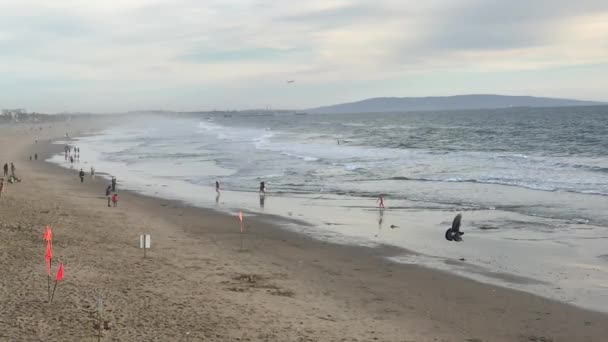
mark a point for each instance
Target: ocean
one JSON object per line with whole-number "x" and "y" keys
{"x": 532, "y": 184}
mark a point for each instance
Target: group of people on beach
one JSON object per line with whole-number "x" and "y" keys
{"x": 72, "y": 156}
{"x": 12, "y": 177}
{"x": 111, "y": 195}
{"x": 262, "y": 193}
{"x": 262, "y": 188}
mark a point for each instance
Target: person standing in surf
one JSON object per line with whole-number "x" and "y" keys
{"x": 217, "y": 187}
{"x": 262, "y": 189}
{"x": 380, "y": 202}
{"x": 81, "y": 175}
{"x": 113, "y": 184}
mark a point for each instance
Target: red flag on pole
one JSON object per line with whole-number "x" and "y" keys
{"x": 48, "y": 234}
{"x": 48, "y": 257}
{"x": 241, "y": 218}
{"x": 57, "y": 279}
{"x": 59, "y": 273}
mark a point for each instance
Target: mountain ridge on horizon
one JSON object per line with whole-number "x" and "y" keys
{"x": 455, "y": 102}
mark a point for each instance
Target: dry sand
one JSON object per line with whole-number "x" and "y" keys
{"x": 195, "y": 284}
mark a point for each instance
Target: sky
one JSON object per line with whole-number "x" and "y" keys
{"x": 114, "y": 56}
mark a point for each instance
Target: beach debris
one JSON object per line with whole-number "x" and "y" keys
{"x": 105, "y": 325}
{"x": 454, "y": 233}
{"x": 249, "y": 278}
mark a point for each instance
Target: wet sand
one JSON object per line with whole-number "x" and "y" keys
{"x": 197, "y": 285}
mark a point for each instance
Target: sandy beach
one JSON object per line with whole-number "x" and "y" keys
{"x": 197, "y": 285}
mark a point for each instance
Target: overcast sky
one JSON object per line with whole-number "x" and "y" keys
{"x": 106, "y": 56}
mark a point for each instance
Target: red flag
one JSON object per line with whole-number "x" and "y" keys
{"x": 241, "y": 218}
{"x": 48, "y": 234}
{"x": 59, "y": 273}
{"x": 48, "y": 257}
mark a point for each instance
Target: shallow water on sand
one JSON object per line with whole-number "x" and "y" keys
{"x": 530, "y": 184}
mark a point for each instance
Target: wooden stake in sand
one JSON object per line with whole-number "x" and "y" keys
{"x": 58, "y": 278}
{"x": 99, "y": 301}
{"x": 144, "y": 243}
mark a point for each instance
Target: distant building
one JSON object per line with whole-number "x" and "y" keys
{"x": 13, "y": 114}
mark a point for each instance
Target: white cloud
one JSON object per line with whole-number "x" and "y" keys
{"x": 58, "y": 51}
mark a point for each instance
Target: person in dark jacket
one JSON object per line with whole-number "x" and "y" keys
{"x": 109, "y": 195}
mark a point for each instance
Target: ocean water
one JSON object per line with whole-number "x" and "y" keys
{"x": 532, "y": 183}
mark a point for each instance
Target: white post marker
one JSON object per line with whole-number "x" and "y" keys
{"x": 144, "y": 242}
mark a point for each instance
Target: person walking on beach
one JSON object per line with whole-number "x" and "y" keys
{"x": 115, "y": 200}
{"x": 262, "y": 189}
{"x": 1, "y": 186}
{"x": 113, "y": 184}
{"x": 13, "y": 168}
{"x": 35, "y": 156}
{"x": 108, "y": 193}
{"x": 72, "y": 160}
{"x": 81, "y": 174}
{"x": 217, "y": 187}
{"x": 5, "y": 169}
{"x": 380, "y": 202}
{"x": 92, "y": 172}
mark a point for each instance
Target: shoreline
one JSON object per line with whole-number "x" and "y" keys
{"x": 301, "y": 289}
{"x": 549, "y": 264}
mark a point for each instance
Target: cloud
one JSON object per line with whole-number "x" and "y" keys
{"x": 123, "y": 55}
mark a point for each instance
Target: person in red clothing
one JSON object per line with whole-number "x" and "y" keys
{"x": 115, "y": 200}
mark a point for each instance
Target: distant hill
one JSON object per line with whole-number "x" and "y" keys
{"x": 458, "y": 102}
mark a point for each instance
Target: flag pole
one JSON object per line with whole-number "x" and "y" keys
{"x": 53, "y": 294}
{"x": 241, "y": 235}
{"x": 48, "y": 276}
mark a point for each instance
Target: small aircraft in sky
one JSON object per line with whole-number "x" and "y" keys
{"x": 291, "y": 81}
